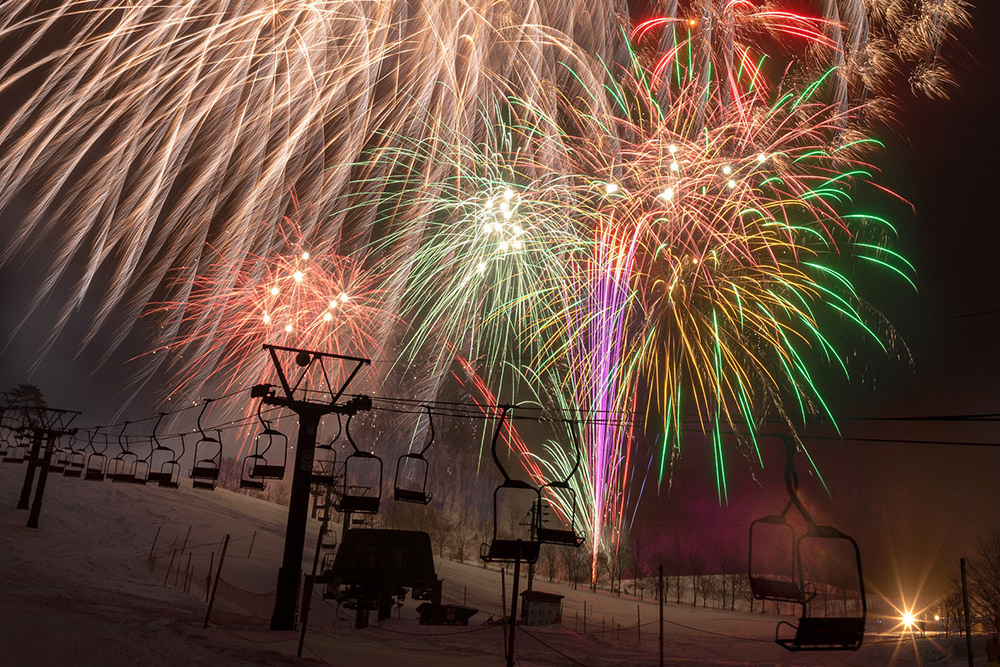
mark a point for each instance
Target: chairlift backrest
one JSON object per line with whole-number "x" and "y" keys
{"x": 97, "y": 462}
{"x": 551, "y": 530}
{"x": 512, "y": 495}
{"x": 813, "y": 563}
{"x": 410, "y": 484}
{"x": 207, "y": 455}
{"x": 75, "y": 464}
{"x": 170, "y": 471}
{"x": 773, "y": 561}
{"x": 362, "y": 472}
{"x": 324, "y": 470}
{"x": 257, "y": 466}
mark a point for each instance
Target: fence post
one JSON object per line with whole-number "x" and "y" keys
{"x": 661, "y": 615}
{"x": 155, "y": 537}
{"x": 166, "y": 577}
{"x": 215, "y": 586}
{"x": 208, "y": 577}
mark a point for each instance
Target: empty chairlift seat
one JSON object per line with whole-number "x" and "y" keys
{"x": 362, "y": 490}
{"x": 207, "y": 456}
{"x": 412, "y": 470}
{"x": 513, "y": 499}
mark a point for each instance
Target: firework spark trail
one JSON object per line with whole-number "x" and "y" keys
{"x": 186, "y": 121}
{"x": 159, "y": 138}
{"x": 305, "y": 295}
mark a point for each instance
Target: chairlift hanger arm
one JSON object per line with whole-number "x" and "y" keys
{"x": 201, "y": 415}
{"x": 496, "y": 436}
{"x": 430, "y": 438}
{"x": 156, "y": 426}
{"x": 792, "y": 480}
{"x": 122, "y": 440}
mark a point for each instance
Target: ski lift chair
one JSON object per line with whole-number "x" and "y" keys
{"x": 142, "y": 467}
{"x": 60, "y": 457}
{"x": 75, "y": 464}
{"x": 17, "y": 452}
{"x": 255, "y": 466}
{"x": 775, "y": 576}
{"x": 828, "y": 633}
{"x": 510, "y": 547}
{"x": 170, "y": 471}
{"x": 207, "y": 456}
{"x": 812, "y": 633}
{"x": 157, "y": 471}
{"x": 97, "y": 461}
{"x": 122, "y": 467}
{"x": 360, "y": 466}
{"x": 414, "y": 466}
{"x": 564, "y": 532}
{"x": 247, "y": 479}
{"x": 324, "y": 471}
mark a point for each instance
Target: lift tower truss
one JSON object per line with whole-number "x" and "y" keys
{"x": 311, "y": 390}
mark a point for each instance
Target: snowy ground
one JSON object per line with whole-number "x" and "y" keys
{"x": 82, "y": 590}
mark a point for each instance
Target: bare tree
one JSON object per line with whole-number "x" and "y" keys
{"x": 550, "y": 557}
{"x": 462, "y": 535}
{"x": 576, "y": 564}
{"x": 950, "y": 608}
{"x": 734, "y": 581}
{"x": 697, "y": 568}
{"x": 984, "y": 582}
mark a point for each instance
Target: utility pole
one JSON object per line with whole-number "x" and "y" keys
{"x": 310, "y": 412}
{"x": 965, "y": 604}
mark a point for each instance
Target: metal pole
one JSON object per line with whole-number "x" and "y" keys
{"x": 503, "y": 606}
{"x": 290, "y": 572}
{"x": 215, "y": 586}
{"x": 513, "y": 606}
{"x": 36, "y": 504}
{"x": 965, "y": 603}
{"x": 307, "y": 595}
{"x": 661, "y": 615}
{"x": 29, "y": 474}
{"x": 155, "y": 537}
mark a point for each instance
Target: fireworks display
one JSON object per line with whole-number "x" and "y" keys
{"x": 633, "y": 226}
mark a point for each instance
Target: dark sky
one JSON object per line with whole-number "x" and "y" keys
{"x": 913, "y": 507}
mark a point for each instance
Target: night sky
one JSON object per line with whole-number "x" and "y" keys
{"x": 915, "y": 508}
